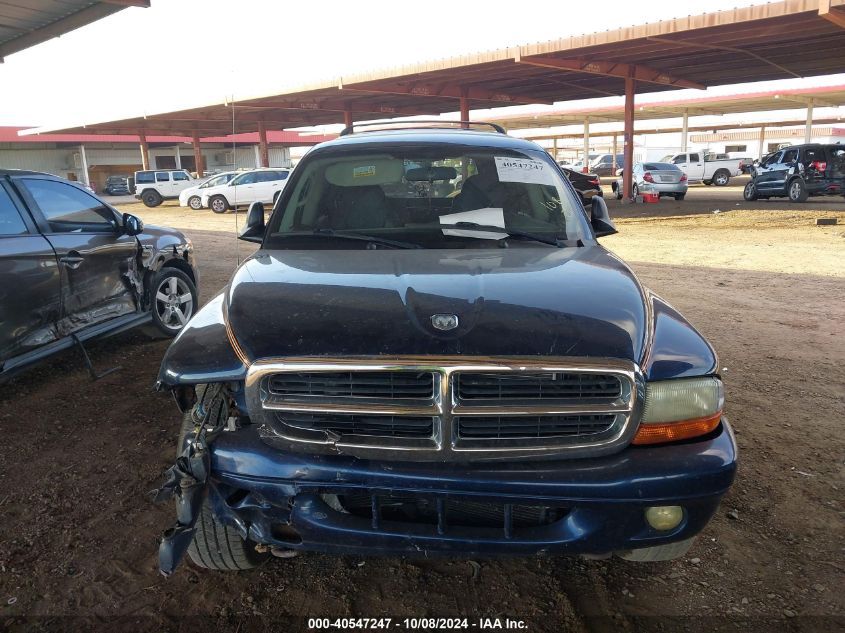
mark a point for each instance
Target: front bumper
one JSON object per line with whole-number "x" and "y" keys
{"x": 285, "y": 500}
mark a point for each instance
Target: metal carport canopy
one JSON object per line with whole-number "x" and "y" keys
{"x": 25, "y": 23}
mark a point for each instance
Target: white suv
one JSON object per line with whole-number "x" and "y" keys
{"x": 258, "y": 185}
{"x": 156, "y": 185}
{"x": 192, "y": 196}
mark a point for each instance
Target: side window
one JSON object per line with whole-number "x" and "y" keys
{"x": 247, "y": 179}
{"x": 10, "y": 220}
{"x": 789, "y": 156}
{"x": 682, "y": 158}
{"x": 180, "y": 175}
{"x": 69, "y": 209}
{"x": 144, "y": 177}
{"x": 162, "y": 176}
{"x": 694, "y": 158}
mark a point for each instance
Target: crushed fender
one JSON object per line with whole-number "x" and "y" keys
{"x": 187, "y": 479}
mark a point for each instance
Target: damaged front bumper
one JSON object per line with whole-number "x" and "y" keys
{"x": 589, "y": 506}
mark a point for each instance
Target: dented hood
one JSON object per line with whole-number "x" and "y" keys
{"x": 578, "y": 301}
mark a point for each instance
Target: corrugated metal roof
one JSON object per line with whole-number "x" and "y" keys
{"x": 25, "y": 23}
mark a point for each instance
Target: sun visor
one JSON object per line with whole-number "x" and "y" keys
{"x": 379, "y": 171}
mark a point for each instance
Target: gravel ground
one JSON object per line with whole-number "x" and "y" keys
{"x": 764, "y": 284}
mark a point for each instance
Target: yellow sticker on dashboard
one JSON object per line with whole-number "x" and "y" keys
{"x": 365, "y": 171}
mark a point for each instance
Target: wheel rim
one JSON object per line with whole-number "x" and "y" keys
{"x": 635, "y": 190}
{"x": 217, "y": 205}
{"x": 721, "y": 180}
{"x": 174, "y": 303}
{"x": 749, "y": 190}
{"x": 195, "y": 203}
{"x": 795, "y": 190}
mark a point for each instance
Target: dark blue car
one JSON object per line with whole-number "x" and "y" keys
{"x": 431, "y": 353}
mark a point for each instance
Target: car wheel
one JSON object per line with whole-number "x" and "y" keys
{"x": 798, "y": 191}
{"x": 680, "y": 196}
{"x": 173, "y": 300}
{"x": 218, "y": 204}
{"x": 216, "y": 545}
{"x": 151, "y": 198}
{"x": 707, "y": 182}
{"x": 195, "y": 202}
{"x": 721, "y": 178}
{"x": 635, "y": 191}
{"x": 750, "y": 191}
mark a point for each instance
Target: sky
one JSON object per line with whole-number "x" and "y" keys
{"x": 180, "y": 53}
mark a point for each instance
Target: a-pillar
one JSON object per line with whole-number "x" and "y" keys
{"x": 586, "y": 145}
{"x": 145, "y": 151}
{"x": 262, "y": 145}
{"x": 628, "y": 139}
{"x": 808, "y": 130}
{"x": 199, "y": 163}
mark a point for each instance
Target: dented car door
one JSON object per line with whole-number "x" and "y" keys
{"x": 97, "y": 261}
{"x": 29, "y": 282}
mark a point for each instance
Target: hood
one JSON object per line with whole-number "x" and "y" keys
{"x": 522, "y": 301}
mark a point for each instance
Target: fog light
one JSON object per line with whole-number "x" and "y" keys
{"x": 664, "y": 517}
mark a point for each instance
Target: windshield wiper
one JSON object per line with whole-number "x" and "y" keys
{"x": 350, "y": 235}
{"x": 492, "y": 228}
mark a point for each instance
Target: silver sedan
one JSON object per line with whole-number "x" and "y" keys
{"x": 664, "y": 179}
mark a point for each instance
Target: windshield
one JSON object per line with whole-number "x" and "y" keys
{"x": 408, "y": 194}
{"x": 660, "y": 167}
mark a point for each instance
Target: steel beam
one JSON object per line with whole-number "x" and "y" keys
{"x": 199, "y": 163}
{"x": 464, "y": 110}
{"x": 830, "y": 14}
{"x": 610, "y": 69}
{"x": 628, "y": 138}
{"x": 586, "y": 168}
{"x": 347, "y": 118}
{"x": 145, "y": 151}
{"x": 808, "y": 128}
{"x": 445, "y": 91}
{"x": 685, "y": 132}
{"x": 760, "y": 147}
{"x": 264, "y": 152}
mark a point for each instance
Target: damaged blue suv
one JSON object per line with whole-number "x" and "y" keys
{"x": 431, "y": 353}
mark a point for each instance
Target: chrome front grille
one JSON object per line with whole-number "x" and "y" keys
{"x": 446, "y": 409}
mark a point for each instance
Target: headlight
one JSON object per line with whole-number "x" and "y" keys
{"x": 680, "y": 409}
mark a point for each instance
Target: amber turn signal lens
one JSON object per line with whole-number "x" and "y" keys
{"x": 675, "y": 431}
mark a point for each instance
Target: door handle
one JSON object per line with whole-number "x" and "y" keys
{"x": 72, "y": 260}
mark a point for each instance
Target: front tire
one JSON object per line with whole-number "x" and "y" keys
{"x": 721, "y": 178}
{"x": 173, "y": 300}
{"x": 750, "y": 191}
{"x": 216, "y": 545}
{"x": 195, "y": 202}
{"x": 218, "y": 204}
{"x": 797, "y": 191}
{"x": 151, "y": 198}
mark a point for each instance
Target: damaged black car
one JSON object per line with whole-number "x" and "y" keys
{"x": 73, "y": 268}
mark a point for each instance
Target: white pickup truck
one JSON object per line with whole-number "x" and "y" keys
{"x": 706, "y": 168}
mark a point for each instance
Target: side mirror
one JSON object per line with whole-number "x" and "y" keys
{"x": 254, "y": 229}
{"x": 600, "y": 218}
{"x": 132, "y": 224}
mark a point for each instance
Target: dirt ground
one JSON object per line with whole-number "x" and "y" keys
{"x": 764, "y": 284}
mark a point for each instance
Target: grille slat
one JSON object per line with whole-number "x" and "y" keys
{"x": 379, "y": 425}
{"x": 391, "y": 385}
{"x": 537, "y": 386}
{"x": 540, "y": 426}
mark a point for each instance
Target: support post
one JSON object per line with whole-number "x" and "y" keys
{"x": 198, "y": 161}
{"x": 808, "y": 130}
{"x": 257, "y": 160}
{"x": 84, "y": 158}
{"x": 347, "y": 118}
{"x": 262, "y": 145}
{"x": 464, "y": 108}
{"x": 586, "y": 146}
{"x": 178, "y": 157}
{"x": 628, "y": 139}
{"x": 685, "y": 131}
{"x": 615, "y": 151}
{"x": 145, "y": 151}
{"x": 761, "y": 148}
{"x": 554, "y": 149}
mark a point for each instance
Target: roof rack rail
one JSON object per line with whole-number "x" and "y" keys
{"x": 426, "y": 124}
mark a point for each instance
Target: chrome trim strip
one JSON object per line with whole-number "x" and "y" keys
{"x": 445, "y": 444}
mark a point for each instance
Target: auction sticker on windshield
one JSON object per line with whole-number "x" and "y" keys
{"x": 526, "y": 170}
